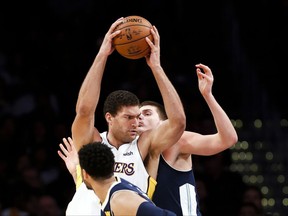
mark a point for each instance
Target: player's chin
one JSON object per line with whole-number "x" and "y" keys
{"x": 133, "y": 134}
{"x": 140, "y": 130}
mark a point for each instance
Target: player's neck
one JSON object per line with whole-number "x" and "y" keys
{"x": 102, "y": 187}
{"x": 113, "y": 141}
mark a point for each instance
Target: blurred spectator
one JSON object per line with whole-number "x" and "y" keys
{"x": 31, "y": 181}
{"x": 202, "y": 193}
{"x": 14, "y": 211}
{"x": 224, "y": 187}
{"x": 249, "y": 209}
{"x": 252, "y": 194}
{"x": 48, "y": 206}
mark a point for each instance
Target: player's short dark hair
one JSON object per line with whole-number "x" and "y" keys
{"x": 97, "y": 160}
{"x": 159, "y": 108}
{"x": 118, "y": 99}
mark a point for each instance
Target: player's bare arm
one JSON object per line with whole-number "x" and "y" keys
{"x": 83, "y": 130}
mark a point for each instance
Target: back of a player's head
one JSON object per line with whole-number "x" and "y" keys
{"x": 97, "y": 160}
{"x": 159, "y": 107}
{"x": 118, "y": 99}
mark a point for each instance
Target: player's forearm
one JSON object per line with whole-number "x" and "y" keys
{"x": 172, "y": 102}
{"x": 172, "y": 129}
{"x": 171, "y": 99}
{"x": 225, "y": 128}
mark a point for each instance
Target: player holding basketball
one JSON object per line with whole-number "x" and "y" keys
{"x": 175, "y": 188}
{"x": 122, "y": 112}
{"x": 117, "y": 196}
{"x": 175, "y": 174}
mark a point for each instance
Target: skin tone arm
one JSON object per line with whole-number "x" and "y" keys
{"x": 83, "y": 130}
{"x": 125, "y": 203}
{"x": 195, "y": 143}
{"x": 170, "y": 130}
{"x": 226, "y": 136}
{"x": 69, "y": 155}
{"x": 226, "y": 133}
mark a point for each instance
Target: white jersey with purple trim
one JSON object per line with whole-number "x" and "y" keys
{"x": 84, "y": 202}
{"x": 129, "y": 164}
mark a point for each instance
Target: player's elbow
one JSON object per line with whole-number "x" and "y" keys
{"x": 83, "y": 110}
{"x": 227, "y": 139}
{"x": 180, "y": 124}
{"x": 180, "y": 128}
{"x": 233, "y": 139}
{"x": 183, "y": 122}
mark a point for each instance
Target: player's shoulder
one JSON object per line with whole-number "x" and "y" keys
{"x": 121, "y": 198}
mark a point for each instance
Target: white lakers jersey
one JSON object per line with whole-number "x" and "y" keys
{"x": 129, "y": 164}
{"x": 84, "y": 202}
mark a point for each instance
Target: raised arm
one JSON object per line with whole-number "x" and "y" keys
{"x": 69, "y": 155}
{"x": 171, "y": 129}
{"x": 225, "y": 136}
{"x": 83, "y": 130}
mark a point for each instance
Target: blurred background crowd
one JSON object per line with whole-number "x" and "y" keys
{"x": 47, "y": 47}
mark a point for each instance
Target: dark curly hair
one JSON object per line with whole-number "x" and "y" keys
{"x": 118, "y": 99}
{"x": 159, "y": 108}
{"x": 97, "y": 160}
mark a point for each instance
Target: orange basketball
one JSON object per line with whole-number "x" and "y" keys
{"x": 131, "y": 42}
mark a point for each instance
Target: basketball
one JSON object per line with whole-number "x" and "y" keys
{"x": 131, "y": 42}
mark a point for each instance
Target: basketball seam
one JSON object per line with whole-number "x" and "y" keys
{"x": 119, "y": 44}
{"x": 132, "y": 25}
{"x": 136, "y": 53}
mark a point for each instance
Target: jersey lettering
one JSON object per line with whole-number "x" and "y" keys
{"x": 128, "y": 169}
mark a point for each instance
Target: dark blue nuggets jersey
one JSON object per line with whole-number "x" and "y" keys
{"x": 175, "y": 190}
{"x": 146, "y": 208}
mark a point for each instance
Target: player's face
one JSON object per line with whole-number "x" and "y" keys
{"x": 149, "y": 118}
{"x": 124, "y": 124}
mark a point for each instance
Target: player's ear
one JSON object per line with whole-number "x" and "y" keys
{"x": 108, "y": 117}
{"x": 84, "y": 174}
